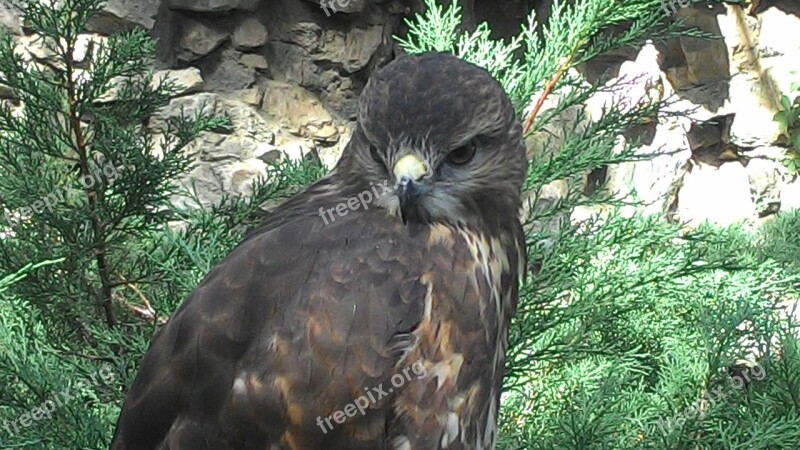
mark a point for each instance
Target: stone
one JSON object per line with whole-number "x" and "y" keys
{"x": 701, "y": 103}
{"x": 213, "y": 5}
{"x": 317, "y": 66}
{"x": 710, "y": 132}
{"x": 206, "y": 142}
{"x": 729, "y": 154}
{"x": 86, "y": 45}
{"x": 288, "y": 147}
{"x": 745, "y": 101}
{"x": 325, "y": 134}
{"x": 112, "y": 94}
{"x": 753, "y": 102}
{"x": 225, "y": 73}
{"x": 204, "y": 183}
{"x": 250, "y": 34}
{"x": 323, "y": 59}
{"x": 330, "y": 7}
{"x": 226, "y": 148}
{"x": 584, "y": 214}
{"x": 296, "y": 148}
{"x": 189, "y": 105}
{"x": 33, "y": 47}
{"x": 268, "y": 153}
{"x": 158, "y": 146}
{"x": 225, "y": 164}
{"x": 305, "y": 34}
{"x": 706, "y": 59}
{"x": 247, "y": 121}
{"x": 654, "y": 181}
{"x": 10, "y": 17}
{"x": 294, "y": 107}
{"x": 773, "y": 38}
{"x": 717, "y": 195}
{"x": 329, "y": 156}
{"x": 775, "y": 153}
{"x": 118, "y": 15}
{"x": 6, "y": 93}
{"x": 254, "y": 61}
{"x": 638, "y": 82}
{"x": 251, "y": 96}
{"x": 761, "y": 59}
{"x": 539, "y": 203}
{"x": 740, "y": 32}
{"x": 779, "y": 52}
{"x": 765, "y": 185}
{"x": 197, "y": 39}
{"x": 187, "y": 81}
{"x": 238, "y": 177}
{"x": 352, "y": 50}
{"x": 341, "y": 97}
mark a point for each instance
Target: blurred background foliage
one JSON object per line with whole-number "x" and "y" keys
{"x": 632, "y": 332}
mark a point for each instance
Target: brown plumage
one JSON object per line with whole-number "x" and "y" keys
{"x": 317, "y": 312}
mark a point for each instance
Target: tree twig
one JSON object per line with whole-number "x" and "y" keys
{"x": 135, "y": 289}
{"x": 145, "y": 311}
{"x": 548, "y": 89}
{"x": 82, "y": 149}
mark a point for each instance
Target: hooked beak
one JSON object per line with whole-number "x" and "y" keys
{"x": 408, "y": 171}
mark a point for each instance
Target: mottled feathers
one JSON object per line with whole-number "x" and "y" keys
{"x": 309, "y": 314}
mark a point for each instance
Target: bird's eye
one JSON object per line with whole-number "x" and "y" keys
{"x": 373, "y": 151}
{"x": 463, "y": 154}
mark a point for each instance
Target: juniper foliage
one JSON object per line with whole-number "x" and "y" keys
{"x": 81, "y": 175}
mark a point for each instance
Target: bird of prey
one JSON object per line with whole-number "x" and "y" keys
{"x": 371, "y": 310}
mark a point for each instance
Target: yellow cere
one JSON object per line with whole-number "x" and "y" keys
{"x": 411, "y": 166}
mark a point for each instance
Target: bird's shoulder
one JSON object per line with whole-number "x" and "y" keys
{"x": 365, "y": 262}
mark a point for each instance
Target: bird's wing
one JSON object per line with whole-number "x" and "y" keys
{"x": 296, "y": 322}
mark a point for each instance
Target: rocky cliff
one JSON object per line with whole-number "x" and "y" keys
{"x": 289, "y": 72}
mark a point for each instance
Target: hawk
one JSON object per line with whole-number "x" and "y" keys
{"x": 371, "y": 310}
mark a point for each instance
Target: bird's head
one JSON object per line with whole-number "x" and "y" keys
{"x": 444, "y": 135}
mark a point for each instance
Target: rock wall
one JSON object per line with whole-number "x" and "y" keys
{"x": 289, "y": 72}
{"x": 726, "y": 161}
{"x": 729, "y": 167}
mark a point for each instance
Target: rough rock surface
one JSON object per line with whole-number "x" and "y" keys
{"x": 211, "y": 6}
{"x": 725, "y": 161}
{"x": 289, "y": 72}
{"x": 126, "y": 14}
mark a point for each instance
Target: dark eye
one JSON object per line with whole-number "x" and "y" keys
{"x": 463, "y": 154}
{"x": 373, "y": 151}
